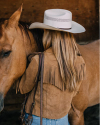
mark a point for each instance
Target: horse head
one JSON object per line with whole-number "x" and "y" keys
{"x": 14, "y": 49}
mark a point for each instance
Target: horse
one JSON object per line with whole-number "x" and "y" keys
{"x": 16, "y": 43}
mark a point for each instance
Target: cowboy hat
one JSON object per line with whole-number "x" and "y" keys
{"x": 58, "y": 19}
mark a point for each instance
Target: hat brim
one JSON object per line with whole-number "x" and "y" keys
{"x": 76, "y": 28}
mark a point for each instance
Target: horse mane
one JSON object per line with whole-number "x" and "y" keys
{"x": 38, "y": 35}
{"x": 66, "y": 52}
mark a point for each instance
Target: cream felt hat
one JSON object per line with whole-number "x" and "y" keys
{"x": 58, "y": 19}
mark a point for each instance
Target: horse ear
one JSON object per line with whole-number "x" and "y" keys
{"x": 14, "y": 19}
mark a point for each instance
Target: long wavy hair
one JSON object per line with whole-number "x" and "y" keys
{"x": 66, "y": 51}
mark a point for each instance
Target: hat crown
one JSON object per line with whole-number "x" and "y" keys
{"x": 60, "y": 13}
{"x": 58, "y": 18}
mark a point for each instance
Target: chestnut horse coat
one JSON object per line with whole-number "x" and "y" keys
{"x": 88, "y": 94}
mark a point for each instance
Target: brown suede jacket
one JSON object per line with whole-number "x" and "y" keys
{"x": 56, "y": 100}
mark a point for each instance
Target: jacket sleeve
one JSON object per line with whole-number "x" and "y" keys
{"x": 28, "y": 79}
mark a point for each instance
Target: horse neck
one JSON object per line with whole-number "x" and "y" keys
{"x": 30, "y": 47}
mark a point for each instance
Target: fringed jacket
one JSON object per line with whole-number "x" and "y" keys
{"x": 56, "y": 98}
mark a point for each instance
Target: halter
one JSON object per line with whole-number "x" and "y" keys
{"x": 29, "y": 120}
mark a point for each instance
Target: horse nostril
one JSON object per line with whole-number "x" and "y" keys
{"x": 1, "y": 102}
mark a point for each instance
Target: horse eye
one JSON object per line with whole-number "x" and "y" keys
{"x": 6, "y": 54}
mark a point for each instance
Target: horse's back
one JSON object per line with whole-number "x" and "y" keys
{"x": 89, "y": 49}
{"x": 90, "y": 87}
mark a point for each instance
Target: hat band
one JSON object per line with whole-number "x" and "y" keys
{"x": 56, "y": 19}
{"x": 65, "y": 28}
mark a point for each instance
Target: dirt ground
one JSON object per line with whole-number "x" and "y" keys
{"x": 12, "y": 117}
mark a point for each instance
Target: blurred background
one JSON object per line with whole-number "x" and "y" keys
{"x": 85, "y": 12}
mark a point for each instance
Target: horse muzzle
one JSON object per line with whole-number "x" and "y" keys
{"x": 1, "y": 102}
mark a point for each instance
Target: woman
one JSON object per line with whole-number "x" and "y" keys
{"x": 63, "y": 73}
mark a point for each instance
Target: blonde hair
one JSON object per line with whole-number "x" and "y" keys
{"x": 65, "y": 50}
